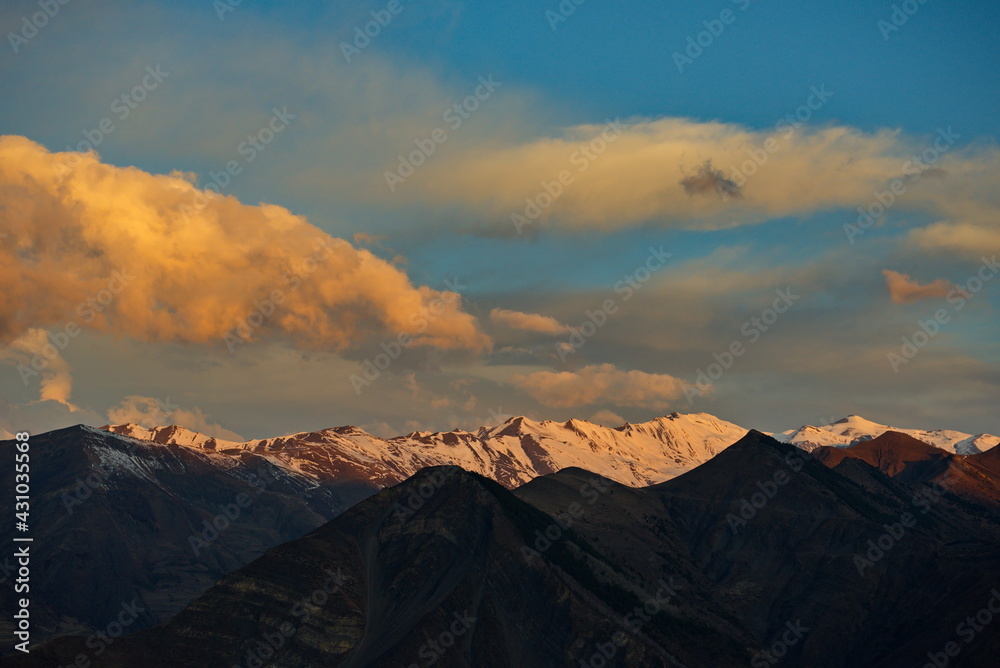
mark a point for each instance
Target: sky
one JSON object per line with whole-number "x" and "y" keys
{"x": 252, "y": 219}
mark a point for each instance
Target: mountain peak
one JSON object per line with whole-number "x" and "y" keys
{"x": 511, "y": 453}
{"x": 757, "y": 439}
{"x": 892, "y": 453}
{"x": 857, "y": 421}
{"x": 854, "y": 429}
{"x": 517, "y": 425}
{"x": 348, "y": 429}
{"x": 521, "y": 448}
{"x": 898, "y": 440}
{"x": 169, "y": 435}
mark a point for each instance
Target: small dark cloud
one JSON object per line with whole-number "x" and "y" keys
{"x": 523, "y": 356}
{"x": 708, "y": 179}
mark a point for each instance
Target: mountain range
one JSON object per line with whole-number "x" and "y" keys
{"x": 511, "y": 453}
{"x": 854, "y": 429}
{"x": 521, "y": 449}
{"x": 547, "y": 534}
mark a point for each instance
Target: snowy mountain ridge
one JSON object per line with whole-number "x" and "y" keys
{"x": 521, "y": 449}
{"x": 512, "y": 453}
{"x": 855, "y": 429}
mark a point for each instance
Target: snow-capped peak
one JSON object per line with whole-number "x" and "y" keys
{"x": 170, "y": 435}
{"x": 855, "y": 429}
{"x": 520, "y": 449}
{"x": 512, "y": 453}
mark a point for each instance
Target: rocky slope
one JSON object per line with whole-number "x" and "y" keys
{"x": 117, "y": 520}
{"x": 763, "y": 555}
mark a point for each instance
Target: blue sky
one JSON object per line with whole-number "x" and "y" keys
{"x": 828, "y": 356}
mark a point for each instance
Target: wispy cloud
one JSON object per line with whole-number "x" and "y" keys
{"x": 601, "y": 384}
{"x": 529, "y": 322}
{"x": 150, "y": 412}
{"x": 905, "y": 290}
{"x": 35, "y": 356}
{"x": 662, "y": 171}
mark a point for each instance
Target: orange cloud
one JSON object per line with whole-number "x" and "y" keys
{"x": 35, "y": 355}
{"x": 905, "y": 290}
{"x": 149, "y": 412}
{"x": 193, "y": 272}
{"x": 529, "y": 322}
{"x": 676, "y": 171}
{"x": 683, "y": 173}
{"x": 601, "y": 383}
{"x": 606, "y": 418}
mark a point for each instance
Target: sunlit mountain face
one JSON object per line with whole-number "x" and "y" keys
{"x": 510, "y": 334}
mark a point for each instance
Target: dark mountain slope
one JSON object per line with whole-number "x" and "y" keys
{"x": 763, "y": 555}
{"x": 450, "y": 584}
{"x": 767, "y": 535}
{"x": 115, "y": 520}
{"x": 895, "y": 454}
{"x": 971, "y": 478}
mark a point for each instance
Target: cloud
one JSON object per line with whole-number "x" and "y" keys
{"x": 708, "y": 180}
{"x": 529, "y": 322}
{"x": 365, "y": 239}
{"x": 905, "y": 290}
{"x": 964, "y": 238}
{"x": 601, "y": 383}
{"x": 968, "y": 205}
{"x": 501, "y": 157}
{"x": 607, "y": 418}
{"x": 155, "y": 258}
{"x": 381, "y": 429}
{"x": 150, "y": 412}
{"x": 35, "y": 355}
{"x": 660, "y": 170}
